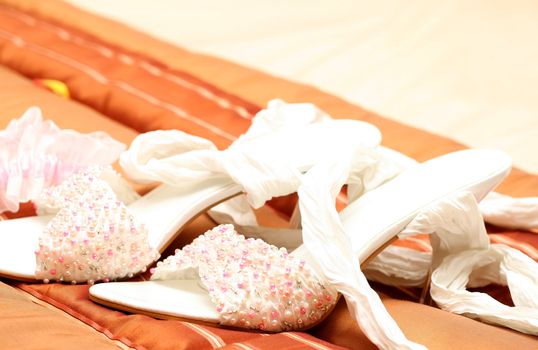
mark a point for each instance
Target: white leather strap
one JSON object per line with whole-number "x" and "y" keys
{"x": 497, "y": 209}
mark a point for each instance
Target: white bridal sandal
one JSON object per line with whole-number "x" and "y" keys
{"x": 94, "y": 236}
{"x": 223, "y": 278}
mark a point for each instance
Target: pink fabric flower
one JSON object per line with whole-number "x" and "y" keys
{"x": 35, "y": 154}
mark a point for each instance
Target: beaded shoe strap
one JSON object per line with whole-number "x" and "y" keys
{"x": 93, "y": 236}
{"x": 253, "y": 285}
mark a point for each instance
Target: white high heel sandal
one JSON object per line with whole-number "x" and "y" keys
{"x": 95, "y": 237}
{"x": 224, "y": 279}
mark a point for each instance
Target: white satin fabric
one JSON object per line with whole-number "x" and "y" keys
{"x": 272, "y": 169}
{"x": 461, "y": 254}
{"x": 462, "y": 257}
{"x": 284, "y": 140}
{"x": 509, "y": 212}
{"x": 325, "y": 238}
{"x": 179, "y": 159}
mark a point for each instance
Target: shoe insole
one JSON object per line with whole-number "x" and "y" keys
{"x": 174, "y": 299}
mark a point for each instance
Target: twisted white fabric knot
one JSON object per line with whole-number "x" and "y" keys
{"x": 261, "y": 177}
{"x": 325, "y": 238}
{"x": 279, "y": 116}
{"x": 284, "y": 140}
{"x": 184, "y": 161}
{"x": 169, "y": 156}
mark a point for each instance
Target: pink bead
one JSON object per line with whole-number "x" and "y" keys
{"x": 289, "y": 283}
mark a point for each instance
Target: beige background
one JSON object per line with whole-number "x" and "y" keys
{"x": 463, "y": 69}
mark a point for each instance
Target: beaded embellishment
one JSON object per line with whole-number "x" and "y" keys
{"x": 93, "y": 236}
{"x": 253, "y": 285}
{"x": 53, "y": 198}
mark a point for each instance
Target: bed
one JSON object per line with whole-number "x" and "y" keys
{"x": 443, "y": 66}
{"x": 126, "y": 81}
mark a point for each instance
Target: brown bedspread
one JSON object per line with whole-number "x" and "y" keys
{"x": 125, "y": 83}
